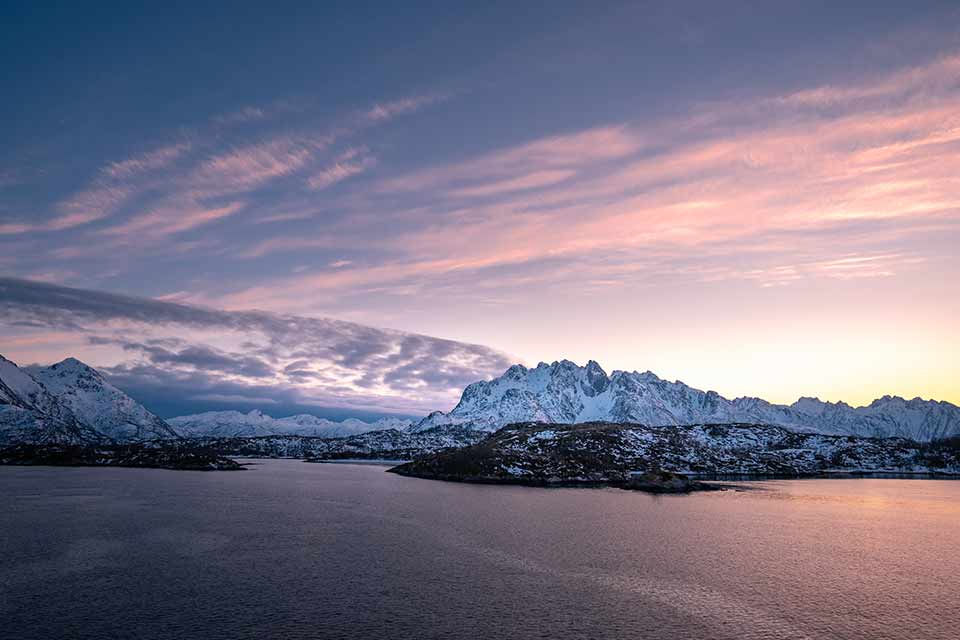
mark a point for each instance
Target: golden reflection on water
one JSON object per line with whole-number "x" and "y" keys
{"x": 887, "y": 494}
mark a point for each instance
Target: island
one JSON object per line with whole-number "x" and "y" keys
{"x": 673, "y": 459}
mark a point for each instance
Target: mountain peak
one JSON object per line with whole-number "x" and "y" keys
{"x": 516, "y": 371}
{"x": 73, "y": 365}
{"x": 594, "y": 366}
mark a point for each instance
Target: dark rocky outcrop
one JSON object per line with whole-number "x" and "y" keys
{"x": 151, "y": 455}
{"x": 666, "y": 482}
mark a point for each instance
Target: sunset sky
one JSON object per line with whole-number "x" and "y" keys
{"x": 293, "y": 209}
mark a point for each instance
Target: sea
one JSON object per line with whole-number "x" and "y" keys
{"x": 290, "y": 549}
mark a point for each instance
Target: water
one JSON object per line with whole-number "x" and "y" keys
{"x": 297, "y": 550}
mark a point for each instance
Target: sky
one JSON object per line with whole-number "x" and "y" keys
{"x": 359, "y": 208}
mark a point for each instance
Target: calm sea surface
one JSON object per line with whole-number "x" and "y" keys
{"x": 295, "y": 550}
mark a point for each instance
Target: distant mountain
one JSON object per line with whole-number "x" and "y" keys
{"x": 29, "y": 413}
{"x": 233, "y": 424}
{"x": 563, "y": 392}
{"x": 388, "y": 444}
{"x": 101, "y": 406}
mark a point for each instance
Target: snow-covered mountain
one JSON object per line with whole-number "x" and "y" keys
{"x": 564, "y": 392}
{"x": 232, "y": 424}
{"x": 30, "y": 413}
{"x": 101, "y": 406}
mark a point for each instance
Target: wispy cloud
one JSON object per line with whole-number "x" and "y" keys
{"x": 149, "y": 161}
{"x": 272, "y": 245}
{"x": 389, "y": 110}
{"x": 534, "y": 180}
{"x": 563, "y": 152}
{"x": 250, "y": 166}
{"x": 242, "y": 116}
{"x": 167, "y": 221}
{"x": 351, "y": 163}
{"x": 116, "y": 184}
{"x": 933, "y": 78}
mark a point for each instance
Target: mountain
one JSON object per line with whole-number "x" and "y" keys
{"x": 565, "y": 393}
{"x": 101, "y": 406}
{"x": 232, "y": 424}
{"x": 603, "y": 452}
{"x": 30, "y": 413}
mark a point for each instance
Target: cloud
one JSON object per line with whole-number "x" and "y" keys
{"x": 351, "y": 163}
{"x": 534, "y": 180}
{"x": 168, "y": 220}
{"x": 203, "y": 358}
{"x": 390, "y": 110}
{"x": 933, "y": 77}
{"x": 563, "y": 152}
{"x": 317, "y": 361}
{"x": 252, "y": 165}
{"x": 242, "y": 116}
{"x": 114, "y": 186}
{"x": 99, "y": 201}
{"x": 149, "y": 161}
{"x": 272, "y": 245}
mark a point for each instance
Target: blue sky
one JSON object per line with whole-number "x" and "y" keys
{"x": 714, "y": 191}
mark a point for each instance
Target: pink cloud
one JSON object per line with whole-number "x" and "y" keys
{"x": 556, "y": 152}
{"x": 935, "y": 75}
{"x": 353, "y": 162}
{"x": 250, "y": 166}
{"x": 272, "y": 245}
{"x": 520, "y": 183}
{"x": 170, "y": 220}
{"x": 149, "y": 161}
{"x": 93, "y": 204}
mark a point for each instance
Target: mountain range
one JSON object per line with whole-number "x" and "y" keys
{"x": 234, "y": 424}
{"x": 565, "y": 393}
{"x": 70, "y": 402}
